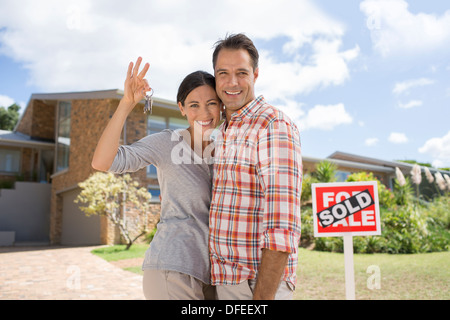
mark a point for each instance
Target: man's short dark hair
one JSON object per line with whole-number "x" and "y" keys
{"x": 237, "y": 42}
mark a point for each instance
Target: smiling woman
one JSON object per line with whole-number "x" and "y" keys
{"x": 176, "y": 265}
{"x": 199, "y": 103}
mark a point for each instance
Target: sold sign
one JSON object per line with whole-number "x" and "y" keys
{"x": 346, "y": 208}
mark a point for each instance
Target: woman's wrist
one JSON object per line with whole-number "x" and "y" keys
{"x": 126, "y": 104}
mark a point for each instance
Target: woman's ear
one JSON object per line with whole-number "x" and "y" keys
{"x": 181, "y": 109}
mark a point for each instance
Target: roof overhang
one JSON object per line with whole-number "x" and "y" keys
{"x": 17, "y": 139}
{"x": 351, "y": 164}
{"x": 403, "y": 166}
{"x": 101, "y": 94}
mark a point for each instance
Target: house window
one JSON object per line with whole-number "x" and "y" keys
{"x": 155, "y": 192}
{"x": 63, "y": 136}
{"x": 342, "y": 176}
{"x": 9, "y": 161}
{"x": 156, "y": 124}
{"x": 176, "y": 123}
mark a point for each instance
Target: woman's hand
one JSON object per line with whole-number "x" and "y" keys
{"x": 135, "y": 88}
{"x": 135, "y": 84}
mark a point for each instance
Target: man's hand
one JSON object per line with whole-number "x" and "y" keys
{"x": 270, "y": 272}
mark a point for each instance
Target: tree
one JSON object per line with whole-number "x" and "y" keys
{"x": 9, "y": 117}
{"x": 106, "y": 194}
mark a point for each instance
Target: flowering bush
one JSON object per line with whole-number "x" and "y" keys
{"x": 106, "y": 193}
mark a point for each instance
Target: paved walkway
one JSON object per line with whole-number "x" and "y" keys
{"x": 63, "y": 273}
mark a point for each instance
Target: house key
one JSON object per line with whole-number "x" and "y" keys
{"x": 148, "y": 102}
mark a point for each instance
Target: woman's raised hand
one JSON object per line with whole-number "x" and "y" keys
{"x": 135, "y": 84}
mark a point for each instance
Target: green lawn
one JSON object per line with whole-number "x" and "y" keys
{"x": 118, "y": 252}
{"x": 321, "y": 274}
{"x": 402, "y": 277}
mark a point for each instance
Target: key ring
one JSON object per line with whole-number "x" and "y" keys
{"x": 148, "y": 102}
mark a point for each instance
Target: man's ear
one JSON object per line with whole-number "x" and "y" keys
{"x": 256, "y": 74}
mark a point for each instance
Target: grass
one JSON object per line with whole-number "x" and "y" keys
{"x": 118, "y": 252}
{"x": 402, "y": 277}
{"x": 321, "y": 274}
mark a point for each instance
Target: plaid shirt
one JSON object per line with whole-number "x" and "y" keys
{"x": 256, "y": 193}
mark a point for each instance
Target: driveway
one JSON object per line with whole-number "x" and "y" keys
{"x": 63, "y": 273}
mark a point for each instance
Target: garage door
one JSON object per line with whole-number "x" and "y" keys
{"x": 77, "y": 228}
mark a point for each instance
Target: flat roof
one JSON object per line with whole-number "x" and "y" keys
{"x": 377, "y": 162}
{"x": 17, "y": 139}
{"x": 100, "y": 94}
{"x": 351, "y": 164}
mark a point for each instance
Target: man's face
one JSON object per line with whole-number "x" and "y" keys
{"x": 235, "y": 79}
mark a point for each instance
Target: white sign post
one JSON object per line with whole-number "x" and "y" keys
{"x": 349, "y": 268}
{"x": 346, "y": 209}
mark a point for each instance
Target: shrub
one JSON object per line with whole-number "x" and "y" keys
{"x": 385, "y": 196}
{"x": 405, "y": 231}
{"x": 307, "y": 235}
{"x": 306, "y": 188}
{"x": 325, "y": 171}
{"x": 403, "y": 192}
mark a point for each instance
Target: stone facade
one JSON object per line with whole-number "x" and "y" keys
{"x": 38, "y": 120}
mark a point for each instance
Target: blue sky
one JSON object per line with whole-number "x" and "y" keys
{"x": 365, "y": 77}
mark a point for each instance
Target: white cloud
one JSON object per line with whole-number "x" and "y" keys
{"x": 397, "y": 138}
{"x": 439, "y": 149}
{"x": 370, "y": 142}
{"x": 87, "y": 45}
{"x": 327, "y": 66}
{"x": 6, "y": 101}
{"x": 395, "y": 30}
{"x": 291, "y": 108}
{"x": 326, "y": 117}
{"x": 405, "y": 86}
{"x": 410, "y": 104}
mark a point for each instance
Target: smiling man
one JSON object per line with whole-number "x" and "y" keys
{"x": 235, "y": 79}
{"x": 255, "y": 207}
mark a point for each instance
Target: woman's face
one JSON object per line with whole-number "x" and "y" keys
{"x": 202, "y": 108}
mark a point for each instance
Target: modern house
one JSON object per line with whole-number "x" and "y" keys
{"x": 50, "y": 151}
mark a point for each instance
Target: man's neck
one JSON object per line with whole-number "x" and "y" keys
{"x": 228, "y": 112}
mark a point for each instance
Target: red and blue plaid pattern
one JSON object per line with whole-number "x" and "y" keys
{"x": 256, "y": 193}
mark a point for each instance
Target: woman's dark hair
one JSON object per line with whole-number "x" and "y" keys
{"x": 192, "y": 81}
{"x": 237, "y": 42}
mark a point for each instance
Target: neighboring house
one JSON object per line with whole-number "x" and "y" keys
{"x": 50, "y": 151}
{"x": 384, "y": 170}
{"x": 347, "y": 166}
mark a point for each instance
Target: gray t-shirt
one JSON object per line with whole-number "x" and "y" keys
{"x": 185, "y": 178}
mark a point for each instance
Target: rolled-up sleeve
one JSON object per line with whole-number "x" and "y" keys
{"x": 280, "y": 172}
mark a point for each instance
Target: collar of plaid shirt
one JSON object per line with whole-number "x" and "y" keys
{"x": 250, "y": 208}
